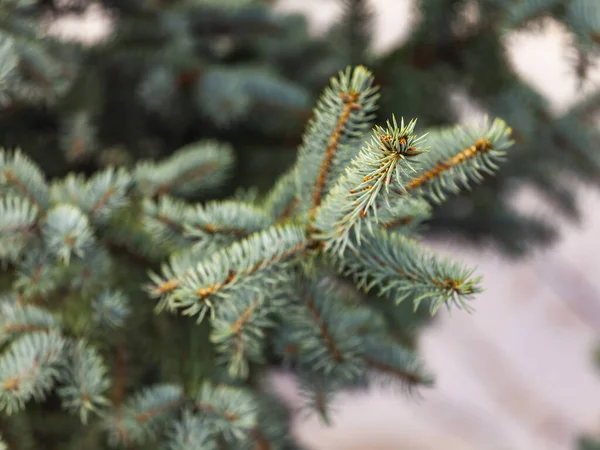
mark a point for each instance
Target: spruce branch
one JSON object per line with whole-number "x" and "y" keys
{"x": 275, "y": 254}
{"x": 110, "y": 309}
{"x": 194, "y": 168}
{"x": 228, "y": 96}
{"x": 9, "y": 61}
{"x": 390, "y": 360}
{"x": 70, "y": 189}
{"x": 318, "y": 393}
{"x": 90, "y": 273}
{"x": 29, "y": 368}
{"x": 382, "y": 165}
{"x": 319, "y": 326}
{"x": 189, "y": 433}
{"x": 78, "y": 136}
{"x": 67, "y": 232}
{"x": 36, "y": 275}
{"x": 16, "y": 319}
{"x": 21, "y": 177}
{"x": 165, "y": 219}
{"x": 262, "y": 269}
{"x": 18, "y": 223}
{"x": 84, "y": 380}
{"x": 36, "y": 70}
{"x": 239, "y": 333}
{"x": 272, "y": 430}
{"x": 104, "y": 193}
{"x": 230, "y": 412}
{"x": 343, "y": 114}
{"x": 217, "y": 224}
{"x": 243, "y": 264}
{"x": 457, "y": 158}
{"x": 143, "y": 415}
{"x": 399, "y": 268}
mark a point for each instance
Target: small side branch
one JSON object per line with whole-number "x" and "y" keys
{"x": 329, "y": 341}
{"x": 410, "y": 377}
{"x": 350, "y": 104}
{"x": 480, "y": 147}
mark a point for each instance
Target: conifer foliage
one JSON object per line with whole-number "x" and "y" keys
{"x": 459, "y": 49}
{"x": 34, "y": 69}
{"x": 278, "y": 276}
{"x": 167, "y": 74}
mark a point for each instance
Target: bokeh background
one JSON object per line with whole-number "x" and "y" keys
{"x": 518, "y": 373}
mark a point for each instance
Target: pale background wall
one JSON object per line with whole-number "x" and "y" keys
{"x": 516, "y": 374}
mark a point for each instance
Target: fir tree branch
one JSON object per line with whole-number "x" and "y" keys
{"x": 229, "y": 411}
{"x": 105, "y": 192}
{"x": 78, "y": 136}
{"x": 165, "y": 219}
{"x": 217, "y": 224}
{"x": 343, "y": 114}
{"x": 29, "y": 369}
{"x": 406, "y": 376}
{"x": 111, "y": 309}
{"x": 398, "y": 267}
{"x": 67, "y": 232}
{"x": 314, "y": 312}
{"x": 18, "y": 224}
{"x": 479, "y": 148}
{"x": 458, "y": 155}
{"x": 319, "y": 328}
{"x": 350, "y": 104}
{"x": 239, "y": 332}
{"x": 37, "y": 277}
{"x": 318, "y": 393}
{"x": 381, "y": 165}
{"x": 234, "y": 267}
{"x": 21, "y": 177}
{"x": 191, "y": 169}
{"x": 388, "y": 358}
{"x": 17, "y": 319}
{"x": 189, "y": 433}
{"x": 144, "y": 414}
{"x": 85, "y": 380}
